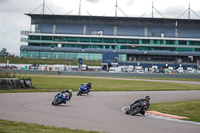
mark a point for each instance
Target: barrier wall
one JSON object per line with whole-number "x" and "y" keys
{"x": 15, "y": 83}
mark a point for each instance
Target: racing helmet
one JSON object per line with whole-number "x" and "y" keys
{"x": 89, "y": 83}
{"x": 147, "y": 98}
{"x": 70, "y": 90}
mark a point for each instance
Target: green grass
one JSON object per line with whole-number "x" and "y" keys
{"x": 107, "y": 84}
{"x": 48, "y": 61}
{"x": 186, "y": 108}
{"x": 20, "y": 127}
{"x": 176, "y": 79}
{"x": 45, "y": 83}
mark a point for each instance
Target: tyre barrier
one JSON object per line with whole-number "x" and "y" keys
{"x": 15, "y": 83}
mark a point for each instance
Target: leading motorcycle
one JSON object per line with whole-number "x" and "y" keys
{"x": 139, "y": 107}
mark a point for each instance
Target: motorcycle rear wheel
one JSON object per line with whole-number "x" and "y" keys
{"x": 135, "y": 109}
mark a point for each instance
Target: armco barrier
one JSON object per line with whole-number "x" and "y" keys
{"x": 123, "y": 74}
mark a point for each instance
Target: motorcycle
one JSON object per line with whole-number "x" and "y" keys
{"x": 60, "y": 98}
{"x": 83, "y": 90}
{"x": 136, "y": 108}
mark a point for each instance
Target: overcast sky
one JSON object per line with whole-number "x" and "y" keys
{"x": 13, "y": 20}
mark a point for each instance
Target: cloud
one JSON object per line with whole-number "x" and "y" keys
{"x": 10, "y": 28}
{"x": 130, "y": 2}
{"x": 15, "y": 6}
{"x": 4, "y": 1}
{"x": 93, "y": 1}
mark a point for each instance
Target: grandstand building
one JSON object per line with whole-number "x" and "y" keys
{"x": 135, "y": 39}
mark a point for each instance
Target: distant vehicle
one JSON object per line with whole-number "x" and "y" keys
{"x": 114, "y": 69}
{"x": 169, "y": 70}
{"x": 180, "y": 70}
{"x": 139, "y": 69}
{"x": 190, "y": 70}
{"x": 84, "y": 67}
{"x": 58, "y": 68}
{"x": 125, "y": 68}
{"x": 154, "y": 69}
{"x": 130, "y": 68}
{"x": 196, "y": 72}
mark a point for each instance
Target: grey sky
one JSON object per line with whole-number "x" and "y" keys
{"x": 13, "y": 20}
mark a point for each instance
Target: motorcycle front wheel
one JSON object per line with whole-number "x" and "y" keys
{"x": 58, "y": 101}
{"x": 79, "y": 93}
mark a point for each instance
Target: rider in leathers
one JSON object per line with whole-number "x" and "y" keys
{"x": 147, "y": 99}
{"x": 69, "y": 92}
{"x": 86, "y": 87}
{"x": 89, "y": 86}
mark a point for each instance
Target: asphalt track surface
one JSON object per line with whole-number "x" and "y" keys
{"x": 99, "y": 111}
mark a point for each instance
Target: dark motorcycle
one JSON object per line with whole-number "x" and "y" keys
{"x": 139, "y": 107}
{"x": 60, "y": 98}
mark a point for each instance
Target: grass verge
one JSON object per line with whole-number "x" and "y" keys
{"x": 21, "y": 127}
{"x": 47, "y": 83}
{"x": 186, "y": 108}
{"x": 176, "y": 79}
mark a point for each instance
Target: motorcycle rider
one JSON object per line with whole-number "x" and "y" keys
{"x": 68, "y": 94}
{"x": 89, "y": 86}
{"x": 146, "y": 99}
{"x": 86, "y": 87}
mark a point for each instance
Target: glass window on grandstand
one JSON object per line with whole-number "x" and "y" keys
{"x": 33, "y": 54}
{"x": 94, "y": 56}
{"x": 122, "y": 57}
{"x": 45, "y": 55}
{"x": 58, "y": 55}
{"x": 70, "y": 55}
{"x": 24, "y": 54}
{"x": 84, "y": 56}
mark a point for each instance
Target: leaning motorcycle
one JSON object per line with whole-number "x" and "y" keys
{"x": 137, "y": 108}
{"x": 82, "y": 90}
{"x": 60, "y": 98}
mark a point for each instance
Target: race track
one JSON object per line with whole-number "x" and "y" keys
{"x": 99, "y": 111}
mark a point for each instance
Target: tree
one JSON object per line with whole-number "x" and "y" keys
{"x": 4, "y": 53}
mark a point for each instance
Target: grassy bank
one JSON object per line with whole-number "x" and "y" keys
{"x": 20, "y": 127}
{"x": 48, "y": 61}
{"x": 46, "y": 83}
{"x": 107, "y": 84}
{"x": 187, "y": 108}
{"x": 175, "y": 79}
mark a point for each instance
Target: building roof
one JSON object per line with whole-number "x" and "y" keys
{"x": 49, "y": 18}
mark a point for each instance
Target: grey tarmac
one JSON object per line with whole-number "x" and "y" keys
{"x": 99, "y": 111}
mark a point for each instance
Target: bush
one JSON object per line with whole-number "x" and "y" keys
{"x": 7, "y": 74}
